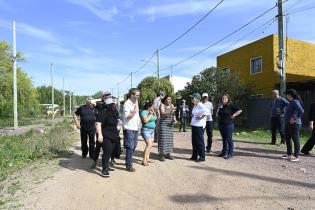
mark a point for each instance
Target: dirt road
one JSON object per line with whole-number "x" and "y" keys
{"x": 255, "y": 179}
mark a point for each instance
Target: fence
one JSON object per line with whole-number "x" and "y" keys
{"x": 258, "y": 110}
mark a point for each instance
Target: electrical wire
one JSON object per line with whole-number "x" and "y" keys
{"x": 192, "y": 27}
{"x": 146, "y": 63}
{"x": 222, "y": 39}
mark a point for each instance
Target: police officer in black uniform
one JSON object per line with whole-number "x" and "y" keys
{"x": 87, "y": 115}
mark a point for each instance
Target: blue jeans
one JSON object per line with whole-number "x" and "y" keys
{"x": 293, "y": 132}
{"x": 130, "y": 144}
{"x": 226, "y": 131}
{"x": 198, "y": 144}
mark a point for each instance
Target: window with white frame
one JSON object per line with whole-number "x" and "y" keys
{"x": 257, "y": 96}
{"x": 256, "y": 65}
{"x": 226, "y": 70}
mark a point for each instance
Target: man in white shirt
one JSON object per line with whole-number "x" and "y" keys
{"x": 198, "y": 124}
{"x": 156, "y": 105}
{"x": 209, "y": 120}
{"x": 131, "y": 122}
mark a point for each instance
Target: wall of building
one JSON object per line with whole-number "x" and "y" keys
{"x": 300, "y": 63}
{"x": 300, "y": 60}
{"x": 239, "y": 61}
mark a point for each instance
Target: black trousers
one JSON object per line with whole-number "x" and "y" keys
{"x": 309, "y": 144}
{"x": 87, "y": 133}
{"x": 182, "y": 124}
{"x": 107, "y": 147}
{"x": 98, "y": 150}
{"x": 277, "y": 124}
{"x": 293, "y": 132}
{"x": 209, "y": 130}
{"x": 198, "y": 142}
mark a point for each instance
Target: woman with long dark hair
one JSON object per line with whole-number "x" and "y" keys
{"x": 148, "y": 118}
{"x": 165, "y": 143}
{"x": 293, "y": 124}
{"x": 227, "y": 113}
{"x": 106, "y": 126}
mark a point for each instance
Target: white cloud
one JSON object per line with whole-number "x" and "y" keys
{"x": 85, "y": 50}
{"x": 192, "y": 7}
{"x": 30, "y": 30}
{"x": 58, "y": 49}
{"x": 97, "y": 8}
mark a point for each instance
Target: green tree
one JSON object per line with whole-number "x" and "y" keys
{"x": 215, "y": 82}
{"x": 149, "y": 86}
{"x": 27, "y": 95}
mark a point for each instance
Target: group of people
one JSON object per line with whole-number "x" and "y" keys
{"x": 100, "y": 120}
{"x": 286, "y": 117}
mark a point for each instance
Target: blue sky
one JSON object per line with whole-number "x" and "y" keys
{"x": 96, "y": 43}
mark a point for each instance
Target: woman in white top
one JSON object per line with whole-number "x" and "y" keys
{"x": 198, "y": 124}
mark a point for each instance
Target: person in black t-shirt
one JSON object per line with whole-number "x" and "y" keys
{"x": 311, "y": 141}
{"x": 86, "y": 125}
{"x": 227, "y": 113}
{"x": 106, "y": 126}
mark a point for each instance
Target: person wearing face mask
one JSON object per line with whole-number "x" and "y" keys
{"x": 106, "y": 126}
{"x": 227, "y": 113}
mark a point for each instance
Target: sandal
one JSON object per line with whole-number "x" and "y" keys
{"x": 144, "y": 164}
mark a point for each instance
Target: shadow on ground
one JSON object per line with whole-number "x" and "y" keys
{"x": 255, "y": 176}
{"x": 204, "y": 198}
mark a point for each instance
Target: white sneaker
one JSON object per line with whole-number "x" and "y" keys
{"x": 294, "y": 159}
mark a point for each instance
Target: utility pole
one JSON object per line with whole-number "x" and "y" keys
{"x": 281, "y": 65}
{"x": 64, "y": 97}
{"x": 131, "y": 79}
{"x": 14, "y": 78}
{"x": 52, "y": 90}
{"x": 158, "y": 63}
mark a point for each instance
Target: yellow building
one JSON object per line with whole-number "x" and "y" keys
{"x": 256, "y": 63}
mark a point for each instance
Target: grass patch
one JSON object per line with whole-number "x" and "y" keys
{"x": 18, "y": 151}
{"x": 258, "y": 136}
{"x": 262, "y": 136}
{"x": 8, "y": 122}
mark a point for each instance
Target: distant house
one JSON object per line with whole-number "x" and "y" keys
{"x": 178, "y": 83}
{"x": 256, "y": 63}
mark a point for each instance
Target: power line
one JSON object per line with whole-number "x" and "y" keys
{"x": 222, "y": 39}
{"x": 192, "y": 27}
{"x": 146, "y": 63}
{"x": 294, "y": 5}
{"x": 302, "y": 10}
{"x": 262, "y": 27}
